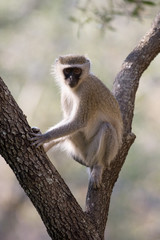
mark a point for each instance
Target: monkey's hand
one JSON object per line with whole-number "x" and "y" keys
{"x": 37, "y": 138}
{"x": 36, "y": 130}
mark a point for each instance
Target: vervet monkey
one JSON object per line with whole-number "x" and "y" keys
{"x": 91, "y": 129}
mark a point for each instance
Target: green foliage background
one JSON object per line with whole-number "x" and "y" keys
{"x": 32, "y": 34}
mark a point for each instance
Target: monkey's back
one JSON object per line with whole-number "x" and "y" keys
{"x": 101, "y": 99}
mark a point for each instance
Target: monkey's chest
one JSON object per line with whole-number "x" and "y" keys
{"x": 69, "y": 106}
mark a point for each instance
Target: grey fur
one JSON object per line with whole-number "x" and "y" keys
{"x": 92, "y": 128}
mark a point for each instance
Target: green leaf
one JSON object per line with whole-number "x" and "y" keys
{"x": 149, "y": 3}
{"x": 73, "y": 19}
{"x": 130, "y": 1}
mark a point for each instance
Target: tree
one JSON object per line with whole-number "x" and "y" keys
{"x": 61, "y": 214}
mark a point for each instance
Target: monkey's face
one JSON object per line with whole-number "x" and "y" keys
{"x": 72, "y": 76}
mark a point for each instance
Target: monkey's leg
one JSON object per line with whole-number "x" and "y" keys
{"x": 96, "y": 175}
{"x": 78, "y": 146}
{"x": 49, "y": 145}
{"x": 79, "y": 160}
{"x": 100, "y": 151}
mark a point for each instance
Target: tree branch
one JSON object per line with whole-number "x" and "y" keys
{"x": 125, "y": 87}
{"x": 127, "y": 80}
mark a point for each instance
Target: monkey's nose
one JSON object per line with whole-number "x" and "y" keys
{"x": 70, "y": 80}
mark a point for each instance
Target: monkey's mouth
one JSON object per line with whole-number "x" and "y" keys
{"x": 72, "y": 82}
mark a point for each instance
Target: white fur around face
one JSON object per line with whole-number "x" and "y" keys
{"x": 57, "y": 70}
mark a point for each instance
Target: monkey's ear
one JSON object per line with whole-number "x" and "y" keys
{"x": 57, "y": 59}
{"x": 60, "y": 59}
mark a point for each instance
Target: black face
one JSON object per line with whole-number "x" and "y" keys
{"x": 72, "y": 75}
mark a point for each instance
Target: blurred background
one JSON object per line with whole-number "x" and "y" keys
{"x": 33, "y": 34}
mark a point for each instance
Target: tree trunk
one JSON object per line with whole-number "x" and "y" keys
{"x": 60, "y": 212}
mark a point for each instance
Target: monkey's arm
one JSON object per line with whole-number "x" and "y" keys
{"x": 59, "y": 131}
{"x": 47, "y": 146}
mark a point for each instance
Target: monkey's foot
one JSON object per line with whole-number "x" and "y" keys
{"x": 96, "y": 176}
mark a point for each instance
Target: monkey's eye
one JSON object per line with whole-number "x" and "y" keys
{"x": 67, "y": 71}
{"x": 77, "y": 71}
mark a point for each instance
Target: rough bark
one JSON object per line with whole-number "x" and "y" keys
{"x": 61, "y": 214}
